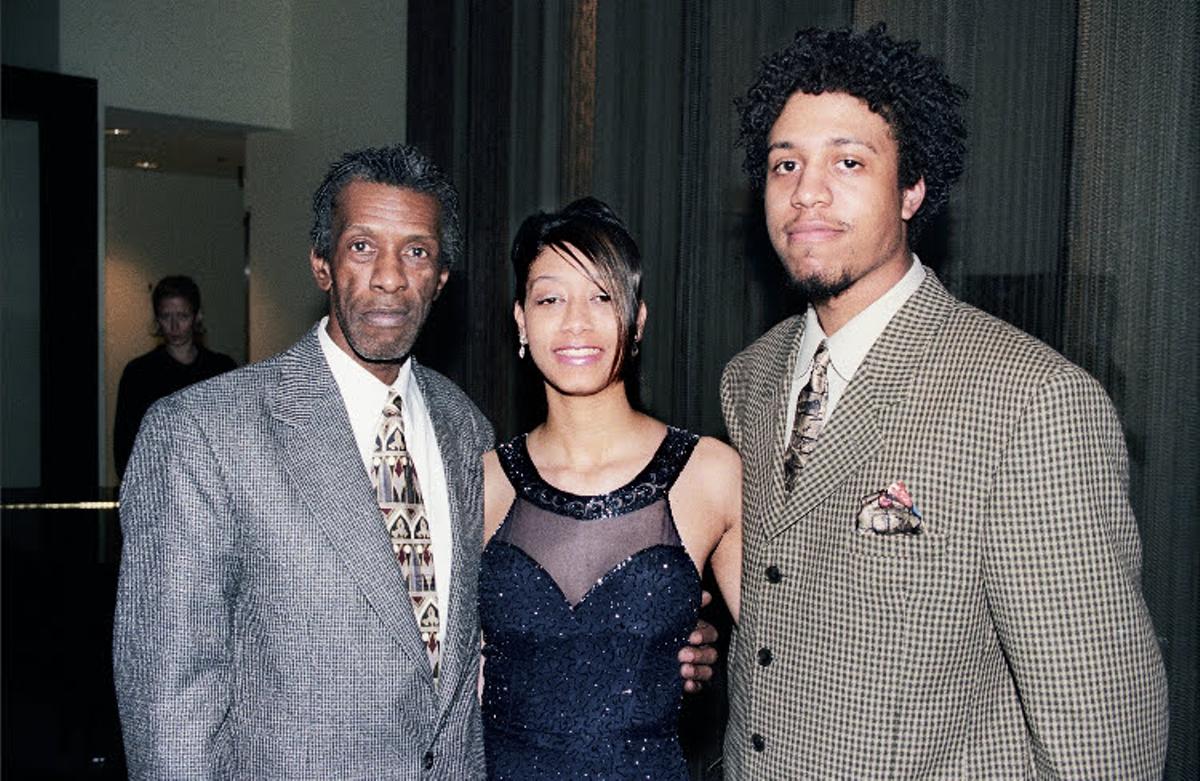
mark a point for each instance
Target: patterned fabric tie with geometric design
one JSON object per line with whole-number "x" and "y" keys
{"x": 399, "y": 496}
{"x": 810, "y": 418}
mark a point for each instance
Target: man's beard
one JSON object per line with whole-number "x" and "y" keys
{"x": 393, "y": 351}
{"x": 815, "y": 290}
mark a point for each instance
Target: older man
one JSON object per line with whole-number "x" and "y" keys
{"x": 265, "y": 628}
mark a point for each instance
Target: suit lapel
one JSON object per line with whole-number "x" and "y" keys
{"x": 467, "y": 535}
{"x": 765, "y": 412}
{"x": 780, "y": 388}
{"x": 850, "y": 436}
{"x": 896, "y": 359}
{"x": 317, "y": 447}
{"x": 878, "y": 391}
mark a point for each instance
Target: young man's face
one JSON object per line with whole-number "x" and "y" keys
{"x": 384, "y": 273}
{"x": 835, "y": 212}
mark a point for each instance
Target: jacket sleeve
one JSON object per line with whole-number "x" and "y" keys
{"x": 729, "y": 385}
{"x": 1062, "y": 567}
{"x": 172, "y": 632}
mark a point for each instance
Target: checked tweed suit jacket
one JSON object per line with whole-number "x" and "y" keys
{"x": 1010, "y": 638}
{"x": 263, "y": 630}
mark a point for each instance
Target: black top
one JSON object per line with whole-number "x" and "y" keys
{"x": 584, "y": 602}
{"x": 147, "y": 379}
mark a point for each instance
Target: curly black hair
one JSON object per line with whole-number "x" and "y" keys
{"x": 908, "y": 89}
{"x": 401, "y": 166}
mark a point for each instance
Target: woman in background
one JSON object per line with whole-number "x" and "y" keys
{"x": 597, "y": 525}
{"x": 178, "y": 361}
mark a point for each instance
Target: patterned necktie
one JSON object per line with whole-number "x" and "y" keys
{"x": 810, "y": 417}
{"x": 399, "y": 495}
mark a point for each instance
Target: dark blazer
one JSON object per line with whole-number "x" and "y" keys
{"x": 262, "y": 626}
{"x": 1010, "y": 638}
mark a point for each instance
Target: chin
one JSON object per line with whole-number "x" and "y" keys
{"x": 382, "y": 351}
{"x": 814, "y": 287}
{"x": 579, "y": 387}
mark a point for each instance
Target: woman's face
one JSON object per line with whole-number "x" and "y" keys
{"x": 570, "y": 323}
{"x": 176, "y": 321}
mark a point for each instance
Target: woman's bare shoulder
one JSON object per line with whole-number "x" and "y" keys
{"x": 712, "y": 475}
{"x": 498, "y": 494}
{"x": 714, "y": 458}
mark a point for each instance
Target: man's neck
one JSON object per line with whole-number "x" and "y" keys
{"x": 384, "y": 371}
{"x": 835, "y": 312}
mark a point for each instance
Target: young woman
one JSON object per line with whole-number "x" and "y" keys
{"x": 597, "y": 525}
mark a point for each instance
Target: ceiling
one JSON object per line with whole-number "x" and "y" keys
{"x": 176, "y": 144}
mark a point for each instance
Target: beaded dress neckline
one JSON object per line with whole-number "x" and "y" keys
{"x": 643, "y": 489}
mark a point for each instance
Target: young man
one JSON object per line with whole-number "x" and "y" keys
{"x": 941, "y": 567}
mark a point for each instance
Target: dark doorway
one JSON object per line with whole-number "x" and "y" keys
{"x": 64, "y": 110}
{"x": 59, "y": 545}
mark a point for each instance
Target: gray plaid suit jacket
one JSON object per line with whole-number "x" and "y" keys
{"x": 1010, "y": 639}
{"x": 262, "y": 628}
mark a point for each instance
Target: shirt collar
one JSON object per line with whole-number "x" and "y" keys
{"x": 850, "y": 345}
{"x": 360, "y": 389}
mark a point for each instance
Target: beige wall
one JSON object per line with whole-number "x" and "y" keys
{"x": 348, "y": 91}
{"x": 209, "y": 59}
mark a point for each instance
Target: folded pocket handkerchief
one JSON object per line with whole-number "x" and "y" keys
{"x": 890, "y": 511}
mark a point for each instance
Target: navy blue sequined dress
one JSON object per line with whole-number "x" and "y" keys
{"x": 585, "y": 602}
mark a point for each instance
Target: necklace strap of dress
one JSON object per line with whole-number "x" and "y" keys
{"x": 647, "y": 487}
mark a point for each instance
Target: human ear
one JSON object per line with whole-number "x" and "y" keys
{"x": 911, "y": 199}
{"x": 519, "y": 317}
{"x": 321, "y": 271}
{"x": 443, "y": 275}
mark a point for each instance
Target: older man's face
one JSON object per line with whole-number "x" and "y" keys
{"x": 384, "y": 273}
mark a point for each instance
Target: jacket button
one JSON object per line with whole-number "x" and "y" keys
{"x": 758, "y": 742}
{"x": 764, "y": 656}
{"x": 429, "y": 760}
{"x": 773, "y": 574}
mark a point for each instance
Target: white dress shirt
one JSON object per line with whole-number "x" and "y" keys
{"x": 851, "y": 343}
{"x": 364, "y": 396}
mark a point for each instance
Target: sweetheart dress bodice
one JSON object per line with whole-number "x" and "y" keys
{"x": 585, "y": 602}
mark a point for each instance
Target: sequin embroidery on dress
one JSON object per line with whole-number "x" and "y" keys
{"x": 585, "y": 602}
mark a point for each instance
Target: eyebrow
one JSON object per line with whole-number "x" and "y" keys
{"x": 551, "y": 277}
{"x": 836, "y": 141}
{"x": 362, "y": 228}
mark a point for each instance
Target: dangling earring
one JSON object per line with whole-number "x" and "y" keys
{"x": 521, "y": 349}
{"x": 636, "y": 344}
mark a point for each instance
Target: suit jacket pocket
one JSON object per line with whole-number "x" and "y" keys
{"x": 927, "y": 544}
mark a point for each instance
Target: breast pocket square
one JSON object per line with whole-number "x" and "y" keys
{"x": 890, "y": 511}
